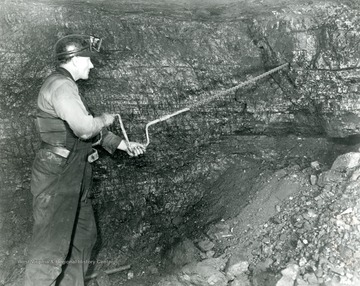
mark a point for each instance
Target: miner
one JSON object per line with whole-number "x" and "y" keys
{"x": 64, "y": 230}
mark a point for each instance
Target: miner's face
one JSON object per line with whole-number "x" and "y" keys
{"x": 83, "y": 65}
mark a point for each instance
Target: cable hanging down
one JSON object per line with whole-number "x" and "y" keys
{"x": 202, "y": 102}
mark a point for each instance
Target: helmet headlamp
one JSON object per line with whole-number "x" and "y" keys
{"x": 77, "y": 45}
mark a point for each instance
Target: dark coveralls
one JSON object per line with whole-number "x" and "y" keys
{"x": 64, "y": 231}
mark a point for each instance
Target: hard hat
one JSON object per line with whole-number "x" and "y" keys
{"x": 77, "y": 45}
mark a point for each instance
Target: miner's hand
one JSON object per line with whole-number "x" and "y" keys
{"x": 135, "y": 149}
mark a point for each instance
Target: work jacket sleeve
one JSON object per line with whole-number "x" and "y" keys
{"x": 109, "y": 140}
{"x": 69, "y": 107}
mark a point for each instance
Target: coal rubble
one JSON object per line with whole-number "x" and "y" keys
{"x": 317, "y": 236}
{"x": 312, "y": 239}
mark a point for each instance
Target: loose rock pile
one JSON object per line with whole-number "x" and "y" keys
{"x": 311, "y": 236}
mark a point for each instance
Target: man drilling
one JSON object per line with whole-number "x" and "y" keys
{"x": 64, "y": 231}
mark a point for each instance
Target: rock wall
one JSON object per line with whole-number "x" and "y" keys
{"x": 156, "y": 60}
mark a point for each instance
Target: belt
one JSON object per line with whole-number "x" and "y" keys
{"x": 58, "y": 150}
{"x": 63, "y": 152}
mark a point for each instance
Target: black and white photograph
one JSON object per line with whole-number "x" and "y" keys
{"x": 180, "y": 143}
